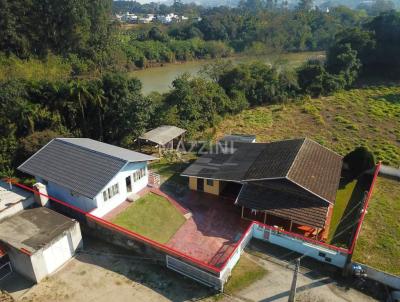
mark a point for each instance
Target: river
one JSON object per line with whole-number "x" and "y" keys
{"x": 160, "y": 79}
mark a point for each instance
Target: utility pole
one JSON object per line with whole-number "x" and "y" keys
{"x": 292, "y": 295}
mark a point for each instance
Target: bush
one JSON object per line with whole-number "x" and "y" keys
{"x": 359, "y": 161}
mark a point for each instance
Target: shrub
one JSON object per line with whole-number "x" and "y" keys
{"x": 359, "y": 161}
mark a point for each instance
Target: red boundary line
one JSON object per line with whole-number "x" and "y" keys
{"x": 365, "y": 208}
{"x": 201, "y": 263}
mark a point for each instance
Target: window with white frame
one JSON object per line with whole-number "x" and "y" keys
{"x": 111, "y": 192}
{"x": 139, "y": 174}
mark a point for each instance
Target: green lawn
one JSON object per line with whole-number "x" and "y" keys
{"x": 343, "y": 121}
{"x": 346, "y": 210}
{"x": 244, "y": 274}
{"x": 343, "y": 197}
{"x": 152, "y": 216}
{"x": 379, "y": 241}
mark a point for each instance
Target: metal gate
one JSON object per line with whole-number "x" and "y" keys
{"x": 5, "y": 270}
{"x": 194, "y": 273}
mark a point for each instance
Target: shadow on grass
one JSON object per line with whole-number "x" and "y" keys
{"x": 348, "y": 222}
{"x": 393, "y": 98}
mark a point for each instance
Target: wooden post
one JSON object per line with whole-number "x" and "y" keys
{"x": 291, "y": 225}
{"x": 242, "y": 211}
{"x": 265, "y": 217}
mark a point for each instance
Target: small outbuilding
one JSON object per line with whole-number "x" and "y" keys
{"x": 238, "y": 138}
{"x": 39, "y": 241}
{"x": 164, "y": 137}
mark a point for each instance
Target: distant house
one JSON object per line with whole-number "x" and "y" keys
{"x": 88, "y": 174}
{"x": 238, "y": 138}
{"x": 146, "y": 19}
{"x": 291, "y": 183}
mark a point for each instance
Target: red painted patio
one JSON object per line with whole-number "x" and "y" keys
{"x": 210, "y": 234}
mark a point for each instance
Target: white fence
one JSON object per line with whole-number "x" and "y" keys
{"x": 318, "y": 252}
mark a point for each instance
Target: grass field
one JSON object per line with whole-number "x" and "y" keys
{"x": 245, "y": 273}
{"x": 369, "y": 116}
{"x": 152, "y": 216}
{"x": 378, "y": 244}
{"x": 346, "y": 211}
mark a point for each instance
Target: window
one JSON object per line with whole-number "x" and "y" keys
{"x": 139, "y": 174}
{"x": 210, "y": 182}
{"x": 110, "y": 192}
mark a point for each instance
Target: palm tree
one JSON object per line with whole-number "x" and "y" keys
{"x": 79, "y": 91}
{"x": 97, "y": 100}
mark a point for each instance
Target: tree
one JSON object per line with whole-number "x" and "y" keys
{"x": 343, "y": 60}
{"x": 359, "y": 161}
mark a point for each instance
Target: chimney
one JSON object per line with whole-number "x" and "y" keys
{"x": 39, "y": 198}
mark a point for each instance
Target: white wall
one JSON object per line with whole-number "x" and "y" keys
{"x": 103, "y": 207}
{"x": 63, "y": 194}
{"x": 317, "y": 252}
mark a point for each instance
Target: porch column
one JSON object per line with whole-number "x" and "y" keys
{"x": 265, "y": 217}
{"x": 242, "y": 211}
{"x": 291, "y": 225}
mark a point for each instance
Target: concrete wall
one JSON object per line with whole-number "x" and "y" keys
{"x": 14, "y": 209}
{"x": 103, "y": 207}
{"x": 323, "y": 254}
{"x": 102, "y": 232}
{"x": 380, "y": 276}
{"x": 215, "y": 189}
{"x": 21, "y": 263}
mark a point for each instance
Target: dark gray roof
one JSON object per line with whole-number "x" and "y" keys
{"x": 302, "y": 161}
{"x": 34, "y": 229}
{"x": 163, "y": 134}
{"x": 282, "y": 198}
{"x": 82, "y": 165}
{"x": 230, "y": 164}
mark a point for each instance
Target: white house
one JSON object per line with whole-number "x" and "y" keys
{"x": 93, "y": 176}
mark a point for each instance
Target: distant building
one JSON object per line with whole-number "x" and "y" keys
{"x": 146, "y": 19}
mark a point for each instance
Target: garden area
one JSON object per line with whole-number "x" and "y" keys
{"x": 378, "y": 244}
{"x": 151, "y": 216}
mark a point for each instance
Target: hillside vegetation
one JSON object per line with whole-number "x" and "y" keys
{"x": 369, "y": 117}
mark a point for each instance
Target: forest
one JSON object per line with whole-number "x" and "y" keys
{"x": 84, "y": 90}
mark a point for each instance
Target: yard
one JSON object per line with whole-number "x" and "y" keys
{"x": 378, "y": 244}
{"x": 152, "y": 216}
{"x": 347, "y": 207}
{"x": 245, "y": 273}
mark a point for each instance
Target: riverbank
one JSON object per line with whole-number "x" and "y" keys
{"x": 160, "y": 78}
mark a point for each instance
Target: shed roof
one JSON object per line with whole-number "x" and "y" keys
{"x": 241, "y": 138}
{"x": 80, "y": 164}
{"x": 33, "y": 229}
{"x": 163, "y": 134}
{"x": 304, "y": 162}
